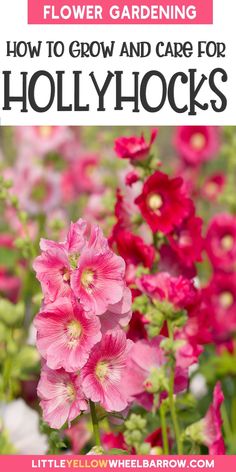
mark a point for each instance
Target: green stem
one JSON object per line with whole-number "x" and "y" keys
{"x": 164, "y": 429}
{"x": 172, "y": 399}
{"x": 95, "y": 423}
{"x": 234, "y": 414}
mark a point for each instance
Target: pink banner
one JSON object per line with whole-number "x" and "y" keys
{"x": 120, "y": 12}
{"x": 109, "y": 463}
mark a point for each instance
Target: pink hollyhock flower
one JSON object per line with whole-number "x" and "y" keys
{"x": 118, "y": 314}
{"x": 188, "y": 353}
{"x": 176, "y": 290}
{"x": 197, "y": 144}
{"x": 133, "y": 249}
{"x": 6, "y": 241}
{"x": 58, "y": 260}
{"x": 212, "y": 424}
{"x": 98, "y": 280}
{"x": 208, "y": 431}
{"x": 220, "y": 297}
{"x": 37, "y": 189}
{"x": 43, "y": 139}
{"x": 9, "y": 285}
{"x": 163, "y": 203}
{"x": 221, "y": 242}
{"x": 79, "y": 435}
{"x": 53, "y": 271}
{"x": 71, "y": 148}
{"x": 96, "y": 209}
{"x": 101, "y": 376}
{"x": 144, "y": 358}
{"x": 66, "y": 335}
{"x": 134, "y": 148}
{"x": 213, "y": 187}
{"x": 187, "y": 240}
{"x": 83, "y": 264}
{"x": 82, "y": 176}
{"x": 61, "y": 396}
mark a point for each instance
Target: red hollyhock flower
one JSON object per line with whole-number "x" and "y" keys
{"x": 114, "y": 441}
{"x": 220, "y": 296}
{"x": 221, "y": 242}
{"x": 198, "y": 329}
{"x": 197, "y": 144}
{"x": 137, "y": 329}
{"x": 187, "y": 240}
{"x": 133, "y": 249}
{"x": 131, "y": 178}
{"x": 163, "y": 203}
{"x": 134, "y": 148}
{"x": 170, "y": 262}
{"x": 213, "y": 187}
{"x": 176, "y": 290}
{"x": 155, "y": 439}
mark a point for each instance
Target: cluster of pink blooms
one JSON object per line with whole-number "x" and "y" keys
{"x": 87, "y": 355}
{"x": 79, "y": 335}
{"x": 56, "y": 168}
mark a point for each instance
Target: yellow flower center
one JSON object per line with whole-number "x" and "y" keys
{"x": 66, "y": 275}
{"x": 87, "y": 278}
{"x": 101, "y": 370}
{"x": 211, "y": 188}
{"x": 198, "y": 141}
{"x": 74, "y": 329}
{"x": 226, "y": 299}
{"x": 45, "y": 131}
{"x": 227, "y": 242}
{"x": 71, "y": 393}
{"x": 155, "y": 202}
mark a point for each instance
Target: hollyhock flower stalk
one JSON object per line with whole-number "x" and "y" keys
{"x": 84, "y": 350}
{"x": 172, "y": 399}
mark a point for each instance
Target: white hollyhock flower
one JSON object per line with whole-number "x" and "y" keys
{"x": 21, "y": 423}
{"x": 198, "y": 386}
